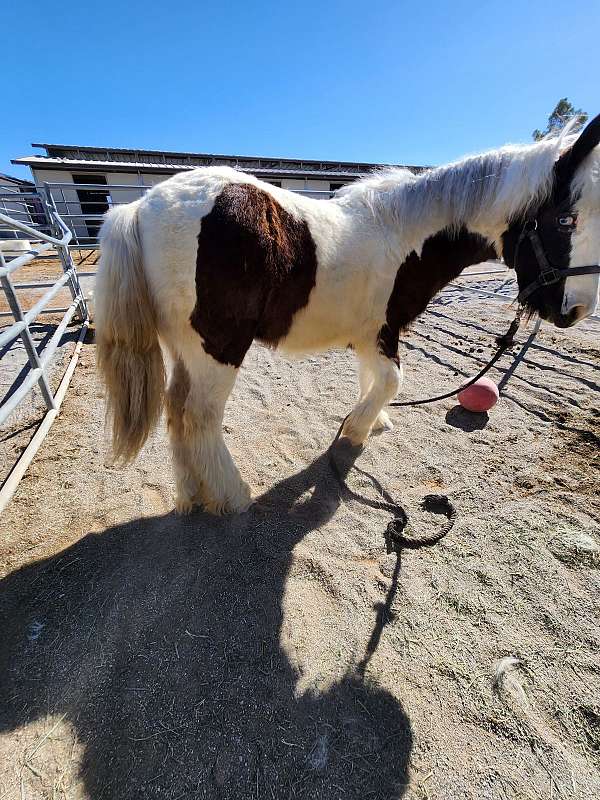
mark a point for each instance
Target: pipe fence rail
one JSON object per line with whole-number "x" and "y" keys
{"x": 25, "y": 207}
{"x": 54, "y": 243}
{"x": 82, "y": 206}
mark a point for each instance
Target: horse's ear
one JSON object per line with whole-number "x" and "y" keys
{"x": 567, "y": 164}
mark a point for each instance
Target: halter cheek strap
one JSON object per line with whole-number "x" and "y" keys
{"x": 548, "y": 274}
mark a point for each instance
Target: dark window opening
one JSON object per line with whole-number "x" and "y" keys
{"x": 333, "y": 187}
{"x": 93, "y": 201}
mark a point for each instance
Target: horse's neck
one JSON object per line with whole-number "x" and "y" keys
{"x": 443, "y": 257}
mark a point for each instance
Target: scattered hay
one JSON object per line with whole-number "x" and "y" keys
{"x": 575, "y": 548}
{"x": 507, "y": 683}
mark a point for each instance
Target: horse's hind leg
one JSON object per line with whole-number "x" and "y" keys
{"x": 380, "y": 378}
{"x": 204, "y": 470}
{"x": 187, "y": 480}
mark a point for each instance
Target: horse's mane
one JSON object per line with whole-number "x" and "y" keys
{"x": 490, "y": 188}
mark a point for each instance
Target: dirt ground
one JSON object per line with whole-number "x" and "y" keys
{"x": 283, "y": 653}
{"x": 47, "y": 269}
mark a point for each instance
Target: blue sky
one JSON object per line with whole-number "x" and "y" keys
{"x": 404, "y": 82}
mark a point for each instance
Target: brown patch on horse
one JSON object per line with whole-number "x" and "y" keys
{"x": 443, "y": 257}
{"x": 255, "y": 268}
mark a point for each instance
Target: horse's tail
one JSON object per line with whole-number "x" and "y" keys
{"x": 129, "y": 357}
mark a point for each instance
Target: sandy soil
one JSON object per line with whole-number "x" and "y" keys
{"x": 283, "y": 653}
{"x": 47, "y": 269}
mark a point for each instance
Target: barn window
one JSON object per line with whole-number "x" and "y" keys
{"x": 93, "y": 201}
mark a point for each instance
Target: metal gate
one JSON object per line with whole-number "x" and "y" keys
{"x": 55, "y": 242}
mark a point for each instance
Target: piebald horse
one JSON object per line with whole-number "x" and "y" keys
{"x": 213, "y": 259}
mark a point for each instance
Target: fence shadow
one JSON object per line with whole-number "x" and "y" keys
{"x": 159, "y": 640}
{"x": 42, "y": 333}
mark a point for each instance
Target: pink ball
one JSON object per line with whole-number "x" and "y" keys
{"x": 481, "y": 396}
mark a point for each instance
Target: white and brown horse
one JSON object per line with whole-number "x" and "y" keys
{"x": 213, "y": 259}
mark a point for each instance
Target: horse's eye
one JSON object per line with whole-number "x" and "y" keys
{"x": 570, "y": 221}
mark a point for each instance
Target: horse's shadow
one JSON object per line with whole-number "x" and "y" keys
{"x": 159, "y": 641}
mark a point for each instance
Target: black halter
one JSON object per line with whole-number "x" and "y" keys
{"x": 549, "y": 275}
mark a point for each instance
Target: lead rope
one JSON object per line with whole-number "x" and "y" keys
{"x": 504, "y": 342}
{"x": 395, "y": 534}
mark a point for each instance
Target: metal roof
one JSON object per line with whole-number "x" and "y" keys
{"x": 118, "y": 159}
{"x": 13, "y": 179}
{"x": 43, "y": 162}
{"x": 187, "y": 154}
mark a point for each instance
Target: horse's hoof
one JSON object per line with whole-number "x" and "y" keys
{"x": 183, "y": 505}
{"x": 224, "y": 508}
{"x": 241, "y": 502}
{"x": 246, "y": 506}
{"x": 356, "y": 437}
{"x": 383, "y": 422}
{"x": 230, "y": 505}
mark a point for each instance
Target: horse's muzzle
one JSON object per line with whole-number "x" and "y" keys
{"x": 572, "y": 317}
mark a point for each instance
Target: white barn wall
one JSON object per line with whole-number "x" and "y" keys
{"x": 298, "y": 184}
{"x": 126, "y": 179}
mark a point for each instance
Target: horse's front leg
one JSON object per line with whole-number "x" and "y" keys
{"x": 365, "y": 381}
{"x": 205, "y": 472}
{"x": 380, "y": 378}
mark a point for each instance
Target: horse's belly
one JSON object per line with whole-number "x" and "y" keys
{"x": 303, "y": 338}
{"x": 320, "y": 327}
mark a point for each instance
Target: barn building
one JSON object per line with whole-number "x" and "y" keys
{"x": 85, "y": 181}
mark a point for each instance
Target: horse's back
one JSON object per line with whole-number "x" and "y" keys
{"x": 170, "y": 219}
